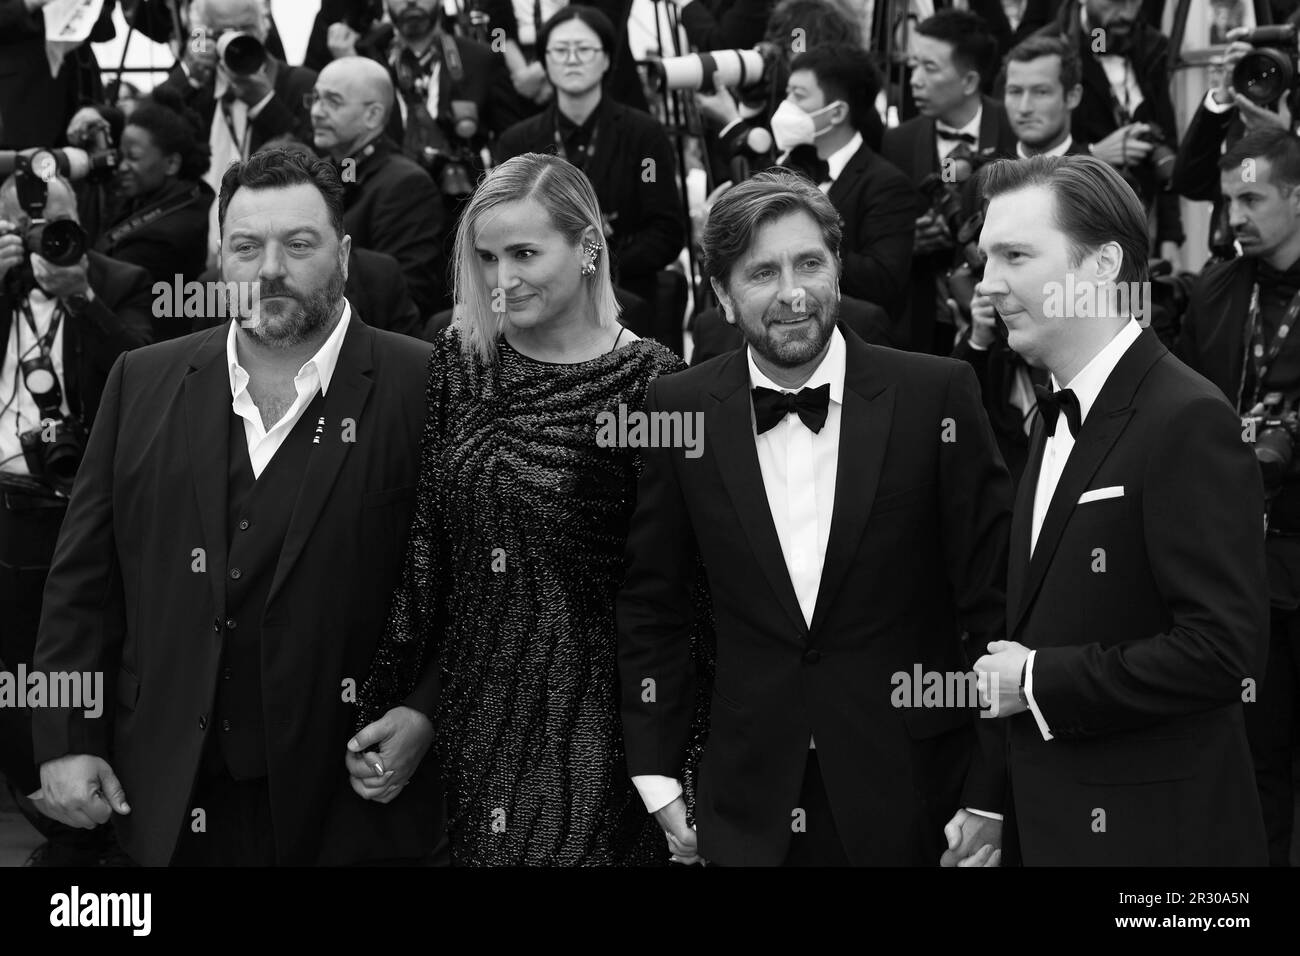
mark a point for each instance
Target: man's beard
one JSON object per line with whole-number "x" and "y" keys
{"x": 289, "y": 328}
{"x": 790, "y": 351}
{"x": 413, "y": 22}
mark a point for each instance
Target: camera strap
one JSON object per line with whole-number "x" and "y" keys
{"x": 43, "y": 342}
{"x": 151, "y": 213}
{"x": 1262, "y": 358}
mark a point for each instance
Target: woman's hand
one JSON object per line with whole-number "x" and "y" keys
{"x": 383, "y": 756}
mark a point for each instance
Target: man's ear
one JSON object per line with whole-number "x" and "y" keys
{"x": 724, "y": 302}
{"x": 1073, "y": 97}
{"x": 970, "y": 83}
{"x": 1110, "y": 257}
{"x": 345, "y": 255}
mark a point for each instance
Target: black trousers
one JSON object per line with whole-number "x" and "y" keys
{"x": 1272, "y": 726}
{"x": 817, "y": 842}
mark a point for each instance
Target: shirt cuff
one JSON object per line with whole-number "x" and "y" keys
{"x": 984, "y": 813}
{"x": 976, "y": 346}
{"x": 730, "y": 126}
{"x": 259, "y": 106}
{"x": 1029, "y": 696}
{"x": 1214, "y": 106}
{"x": 656, "y": 791}
{"x": 189, "y": 78}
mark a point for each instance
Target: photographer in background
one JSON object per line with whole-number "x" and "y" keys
{"x": 952, "y": 56}
{"x": 244, "y": 105}
{"x": 62, "y": 329}
{"x": 390, "y": 204}
{"x": 1126, "y": 112}
{"x": 1237, "y": 333}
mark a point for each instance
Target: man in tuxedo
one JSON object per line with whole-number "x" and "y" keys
{"x": 199, "y": 565}
{"x": 1137, "y": 601}
{"x": 390, "y": 204}
{"x": 829, "y": 94}
{"x": 850, "y": 532}
{"x": 1042, "y": 90}
{"x": 953, "y": 54}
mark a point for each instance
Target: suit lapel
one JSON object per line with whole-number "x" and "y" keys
{"x": 848, "y": 178}
{"x": 207, "y": 414}
{"x": 1101, "y": 430}
{"x": 865, "y": 419}
{"x": 1022, "y": 523}
{"x": 730, "y": 428}
{"x": 925, "y": 151}
{"x": 346, "y": 399}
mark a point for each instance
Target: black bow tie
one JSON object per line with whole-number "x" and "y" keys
{"x": 954, "y": 135}
{"x": 810, "y": 404}
{"x": 1052, "y": 404}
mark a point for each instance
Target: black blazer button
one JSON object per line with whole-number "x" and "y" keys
{"x": 203, "y": 722}
{"x": 225, "y": 725}
{"x": 235, "y": 574}
{"x": 812, "y": 656}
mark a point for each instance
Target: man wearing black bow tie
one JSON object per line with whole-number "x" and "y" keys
{"x": 1137, "y": 601}
{"x": 952, "y": 56}
{"x": 850, "y": 532}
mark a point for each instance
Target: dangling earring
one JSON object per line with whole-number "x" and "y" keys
{"x": 592, "y": 249}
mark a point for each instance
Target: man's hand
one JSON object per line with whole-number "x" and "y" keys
{"x": 529, "y": 80}
{"x": 11, "y": 248}
{"x": 1223, "y": 91}
{"x": 683, "y": 843}
{"x": 932, "y": 234}
{"x": 719, "y": 106}
{"x": 80, "y": 791}
{"x": 973, "y": 840}
{"x": 1122, "y": 147}
{"x": 1001, "y": 668}
{"x": 341, "y": 40}
{"x": 85, "y": 123}
{"x": 382, "y": 757}
{"x": 251, "y": 89}
{"x": 1254, "y": 116}
{"x": 984, "y": 321}
{"x": 59, "y": 282}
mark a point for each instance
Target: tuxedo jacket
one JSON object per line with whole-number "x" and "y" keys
{"x": 1148, "y": 608}
{"x": 136, "y": 591}
{"x": 117, "y": 319}
{"x": 914, "y": 556}
{"x": 912, "y": 148}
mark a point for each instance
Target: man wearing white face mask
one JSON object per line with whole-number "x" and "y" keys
{"x": 829, "y": 96}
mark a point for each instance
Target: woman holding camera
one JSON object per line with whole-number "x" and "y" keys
{"x": 516, "y": 551}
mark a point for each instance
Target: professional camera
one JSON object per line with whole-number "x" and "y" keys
{"x": 1275, "y": 436}
{"x": 54, "y": 448}
{"x": 452, "y": 170}
{"x": 1269, "y": 71}
{"x": 716, "y": 70}
{"x": 242, "y": 53}
{"x": 62, "y": 242}
{"x": 1162, "y": 155}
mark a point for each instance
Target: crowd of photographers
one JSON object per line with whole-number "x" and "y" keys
{"x": 106, "y": 194}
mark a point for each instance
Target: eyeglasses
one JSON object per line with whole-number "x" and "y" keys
{"x": 331, "y": 101}
{"x": 584, "y": 54}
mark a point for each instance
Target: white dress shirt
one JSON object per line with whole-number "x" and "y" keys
{"x": 313, "y": 377}
{"x": 22, "y": 413}
{"x": 793, "y": 462}
{"x": 1060, "y": 149}
{"x": 946, "y": 146}
{"x": 837, "y": 160}
{"x": 1086, "y": 385}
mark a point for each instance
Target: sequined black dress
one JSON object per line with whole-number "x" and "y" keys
{"x": 516, "y": 555}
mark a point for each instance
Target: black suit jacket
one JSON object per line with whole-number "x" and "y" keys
{"x": 124, "y": 596}
{"x": 395, "y": 208}
{"x": 284, "y": 114}
{"x": 118, "y": 319}
{"x": 915, "y": 555}
{"x": 911, "y": 147}
{"x": 650, "y": 227}
{"x": 1148, "y": 611}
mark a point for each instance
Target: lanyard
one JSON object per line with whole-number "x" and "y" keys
{"x": 240, "y": 144}
{"x": 1262, "y": 358}
{"x": 591, "y": 143}
{"x": 43, "y": 342}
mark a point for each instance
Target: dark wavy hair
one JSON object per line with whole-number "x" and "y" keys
{"x": 823, "y": 21}
{"x": 175, "y": 129}
{"x": 278, "y": 168}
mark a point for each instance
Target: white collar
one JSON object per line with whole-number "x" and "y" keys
{"x": 323, "y": 362}
{"x": 1060, "y": 149}
{"x": 973, "y": 127}
{"x": 830, "y": 371}
{"x": 1088, "y": 382}
{"x": 837, "y": 160}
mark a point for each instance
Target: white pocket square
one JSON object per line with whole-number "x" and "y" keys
{"x": 1101, "y": 494}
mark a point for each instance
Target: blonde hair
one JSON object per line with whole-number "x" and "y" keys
{"x": 570, "y": 202}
